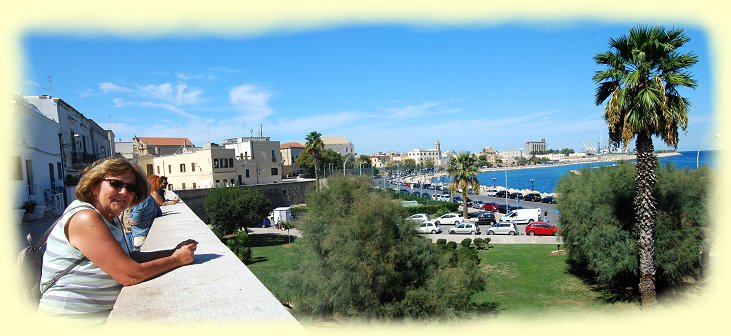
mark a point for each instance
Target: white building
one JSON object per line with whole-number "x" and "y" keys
{"x": 290, "y": 151}
{"x": 422, "y": 155}
{"x": 84, "y": 141}
{"x": 339, "y": 144}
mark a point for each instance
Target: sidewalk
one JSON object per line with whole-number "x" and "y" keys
{"x": 35, "y": 227}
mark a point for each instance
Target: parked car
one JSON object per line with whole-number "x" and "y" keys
{"x": 428, "y": 227}
{"x": 507, "y": 228}
{"x": 541, "y": 228}
{"x": 445, "y": 197}
{"x": 532, "y": 197}
{"x": 514, "y": 195}
{"x": 491, "y": 192}
{"x": 522, "y": 216}
{"x": 501, "y": 194}
{"x": 478, "y": 204}
{"x": 486, "y": 218}
{"x": 449, "y": 218}
{"x": 425, "y": 194}
{"x": 490, "y": 206}
{"x": 416, "y": 193}
{"x": 501, "y": 208}
{"x": 458, "y": 199}
{"x": 466, "y": 227}
{"x": 420, "y": 217}
{"x": 549, "y": 199}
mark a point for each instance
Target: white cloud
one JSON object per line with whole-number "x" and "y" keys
{"x": 252, "y": 101}
{"x": 178, "y": 94}
{"x": 111, "y": 87}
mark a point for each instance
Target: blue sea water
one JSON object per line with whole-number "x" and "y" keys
{"x": 545, "y": 179}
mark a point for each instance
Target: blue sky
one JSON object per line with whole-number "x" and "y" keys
{"x": 385, "y": 87}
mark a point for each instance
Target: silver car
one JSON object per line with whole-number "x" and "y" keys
{"x": 428, "y": 227}
{"x": 507, "y": 228}
{"x": 465, "y": 227}
{"x": 420, "y": 217}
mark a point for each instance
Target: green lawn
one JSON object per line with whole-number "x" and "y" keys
{"x": 526, "y": 279}
{"x": 521, "y": 279}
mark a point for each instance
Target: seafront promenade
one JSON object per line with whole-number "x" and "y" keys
{"x": 426, "y": 178}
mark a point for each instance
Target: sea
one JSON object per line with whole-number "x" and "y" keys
{"x": 545, "y": 178}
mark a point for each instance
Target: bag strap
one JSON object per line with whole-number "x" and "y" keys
{"x": 43, "y": 240}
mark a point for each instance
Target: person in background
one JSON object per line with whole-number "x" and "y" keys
{"x": 137, "y": 220}
{"x": 90, "y": 235}
{"x": 160, "y": 193}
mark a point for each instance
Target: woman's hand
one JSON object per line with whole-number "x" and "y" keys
{"x": 185, "y": 251}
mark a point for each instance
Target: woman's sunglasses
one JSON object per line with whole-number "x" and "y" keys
{"x": 117, "y": 184}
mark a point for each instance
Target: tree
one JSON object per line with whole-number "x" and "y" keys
{"x": 232, "y": 208}
{"x": 363, "y": 259}
{"x": 314, "y": 147}
{"x": 409, "y": 163}
{"x": 598, "y": 229}
{"x": 463, "y": 171}
{"x": 428, "y": 163}
{"x": 640, "y": 84}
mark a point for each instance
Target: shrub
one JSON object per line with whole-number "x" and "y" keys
{"x": 361, "y": 258}
{"x": 598, "y": 224}
{"x": 238, "y": 245}
{"x": 441, "y": 241}
{"x": 451, "y": 245}
{"x": 233, "y": 208}
{"x": 466, "y": 242}
{"x": 480, "y": 243}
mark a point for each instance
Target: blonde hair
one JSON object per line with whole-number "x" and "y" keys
{"x": 93, "y": 175}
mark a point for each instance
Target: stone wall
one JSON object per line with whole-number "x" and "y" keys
{"x": 280, "y": 194}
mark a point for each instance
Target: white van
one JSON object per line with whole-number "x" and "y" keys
{"x": 522, "y": 216}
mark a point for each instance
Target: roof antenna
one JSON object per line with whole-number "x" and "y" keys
{"x": 251, "y": 132}
{"x": 49, "y": 89}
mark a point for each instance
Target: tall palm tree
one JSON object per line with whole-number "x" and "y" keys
{"x": 314, "y": 146}
{"x": 463, "y": 171}
{"x": 643, "y": 72}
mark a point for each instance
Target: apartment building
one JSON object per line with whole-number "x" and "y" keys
{"x": 422, "y": 155}
{"x": 535, "y": 147}
{"x": 264, "y": 153}
{"x": 290, "y": 151}
{"x": 339, "y": 144}
{"x": 142, "y": 146}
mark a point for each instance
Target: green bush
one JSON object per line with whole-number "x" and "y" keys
{"x": 362, "y": 259}
{"x": 451, "y": 245}
{"x": 238, "y": 245}
{"x": 233, "y": 208}
{"x": 481, "y": 244}
{"x": 466, "y": 243}
{"x": 441, "y": 241}
{"x": 598, "y": 225}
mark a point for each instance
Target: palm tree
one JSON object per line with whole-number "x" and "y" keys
{"x": 314, "y": 146}
{"x": 642, "y": 75}
{"x": 463, "y": 171}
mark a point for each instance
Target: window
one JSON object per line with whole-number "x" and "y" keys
{"x": 231, "y": 162}
{"x": 170, "y": 169}
{"x": 158, "y": 170}
{"x": 215, "y": 163}
{"x": 275, "y": 171}
{"x": 247, "y": 173}
{"x": 274, "y": 156}
{"x": 192, "y": 168}
{"x": 193, "y": 185}
{"x": 149, "y": 169}
{"x": 60, "y": 170}
{"x": 182, "y": 169}
{"x": 232, "y": 181}
{"x": 182, "y": 185}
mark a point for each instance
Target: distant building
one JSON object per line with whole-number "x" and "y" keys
{"x": 535, "y": 147}
{"x": 262, "y": 151}
{"x": 339, "y": 144}
{"x": 143, "y": 146}
{"x": 125, "y": 149}
{"x": 422, "y": 155}
{"x": 290, "y": 151}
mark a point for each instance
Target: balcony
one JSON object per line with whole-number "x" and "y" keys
{"x": 217, "y": 287}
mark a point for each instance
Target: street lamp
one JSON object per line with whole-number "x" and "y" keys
{"x": 698, "y": 155}
{"x": 493, "y": 182}
{"x": 346, "y": 160}
{"x": 531, "y": 183}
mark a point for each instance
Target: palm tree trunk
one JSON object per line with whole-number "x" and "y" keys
{"x": 317, "y": 175}
{"x": 464, "y": 203}
{"x": 645, "y": 210}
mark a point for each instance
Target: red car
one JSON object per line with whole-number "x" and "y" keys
{"x": 541, "y": 228}
{"x": 490, "y": 206}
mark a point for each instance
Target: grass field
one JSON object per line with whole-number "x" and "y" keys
{"x": 522, "y": 280}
